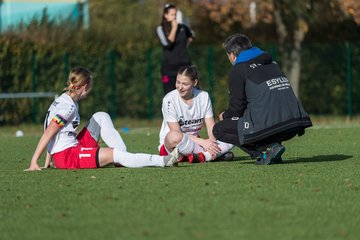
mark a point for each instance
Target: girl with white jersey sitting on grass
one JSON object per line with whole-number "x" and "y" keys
{"x": 70, "y": 150}
{"x": 185, "y": 111}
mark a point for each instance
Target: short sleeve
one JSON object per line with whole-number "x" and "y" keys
{"x": 63, "y": 114}
{"x": 169, "y": 111}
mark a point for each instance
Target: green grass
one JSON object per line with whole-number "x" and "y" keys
{"x": 314, "y": 195}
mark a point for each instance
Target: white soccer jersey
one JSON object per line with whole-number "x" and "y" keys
{"x": 64, "y": 112}
{"x": 190, "y": 117}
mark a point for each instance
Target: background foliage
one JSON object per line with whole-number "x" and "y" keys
{"x": 122, "y": 51}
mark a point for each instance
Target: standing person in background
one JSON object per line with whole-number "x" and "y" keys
{"x": 185, "y": 111}
{"x": 175, "y": 38}
{"x": 74, "y": 151}
{"x": 263, "y": 109}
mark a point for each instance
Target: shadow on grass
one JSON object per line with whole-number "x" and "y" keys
{"x": 236, "y": 159}
{"x": 320, "y": 158}
{"x": 187, "y": 164}
{"x": 240, "y": 159}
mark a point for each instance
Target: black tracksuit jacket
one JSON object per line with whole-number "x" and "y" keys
{"x": 175, "y": 53}
{"x": 262, "y": 98}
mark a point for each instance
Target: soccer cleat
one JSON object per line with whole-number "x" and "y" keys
{"x": 172, "y": 159}
{"x": 196, "y": 157}
{"x": 183, "y": 158}
{"x": 271, "y": 155}
{"x": 228, "y": 156}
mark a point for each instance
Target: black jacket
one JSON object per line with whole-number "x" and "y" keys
{"x": 175, "y": 53}
{"x": 262, "y": 98}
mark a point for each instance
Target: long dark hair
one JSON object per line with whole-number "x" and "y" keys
{"x": 164, "y": 23}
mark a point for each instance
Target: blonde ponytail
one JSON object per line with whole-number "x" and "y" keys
{"x": 78, "y": 77}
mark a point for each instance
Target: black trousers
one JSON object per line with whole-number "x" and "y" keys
{"x": 168, "y": 77}
{"x": 227, "y": 131}
{"x": 168, "y": 83}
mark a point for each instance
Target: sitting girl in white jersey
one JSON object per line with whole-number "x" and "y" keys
{"x": 72, "y": 151}
{"x": 185, "y": 111}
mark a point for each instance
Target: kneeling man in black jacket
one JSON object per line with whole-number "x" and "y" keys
{"x": 263, "y": 109}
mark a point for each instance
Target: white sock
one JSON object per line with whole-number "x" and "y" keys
{"x": 186, "y": 146}
{"x": 208, "y": 156}
{"x": 137, "y": 160}
{"x": 225, "y": 147}
{"x": 108, "y": 133}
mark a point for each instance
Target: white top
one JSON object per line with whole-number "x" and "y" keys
{"x": 190, "y": 117}
{"x": 64, "y": 112}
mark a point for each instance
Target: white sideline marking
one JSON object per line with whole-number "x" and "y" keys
{"x": 28, "y": 95}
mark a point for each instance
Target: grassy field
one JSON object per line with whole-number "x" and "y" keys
{"x": 315, "y": 194}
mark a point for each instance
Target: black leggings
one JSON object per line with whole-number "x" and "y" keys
{"x": 168, "y": 83}
{"x": 227, "y": 131}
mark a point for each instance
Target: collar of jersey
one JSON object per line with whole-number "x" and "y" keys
{"x": 248, "y": 55}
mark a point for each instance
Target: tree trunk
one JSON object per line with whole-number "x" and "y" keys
{"x": 291, "y": 59}
{"x": 295, "y": 56}
{"x": 294, "y": 71}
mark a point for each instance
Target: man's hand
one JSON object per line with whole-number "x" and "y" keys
{"x": 221, "y": 116}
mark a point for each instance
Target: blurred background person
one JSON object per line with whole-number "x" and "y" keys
{"x": 175, "y": 38}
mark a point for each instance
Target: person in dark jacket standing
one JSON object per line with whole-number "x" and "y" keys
{"x": 175, "y": 39}
{"x": 263, "y": 109}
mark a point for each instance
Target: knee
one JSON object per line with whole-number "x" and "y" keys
{"x": 173, "y": 138}
{"x": 99, "y": 116}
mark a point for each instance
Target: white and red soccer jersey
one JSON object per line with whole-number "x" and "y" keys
{"x": 190, "y": 117}
{"x": 64, "y": 112}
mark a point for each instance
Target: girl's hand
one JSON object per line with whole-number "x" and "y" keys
{"x": 174, "y": 24}
{"x": 221, "y": 116}
{"x": 49, "y": 132}
{"x": 48, "y": 161}
{"x": 211, "y": 146}
{"x": 33, "y": 167}
{"x": 46, "y": 166}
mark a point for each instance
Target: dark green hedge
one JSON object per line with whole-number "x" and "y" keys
{"x": 127, "y": 80}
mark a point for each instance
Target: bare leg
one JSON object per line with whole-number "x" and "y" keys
{"x": 106, "y": 156}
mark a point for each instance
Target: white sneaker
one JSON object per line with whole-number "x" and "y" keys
{"x": 172, "y": 159}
